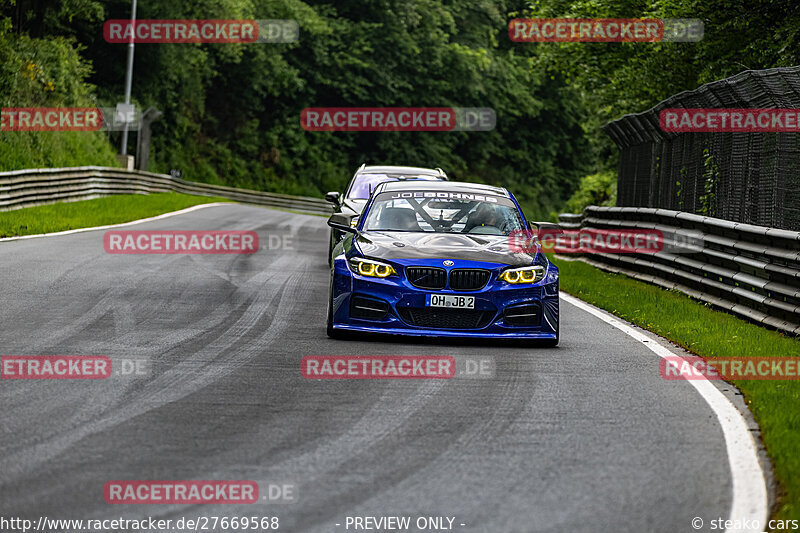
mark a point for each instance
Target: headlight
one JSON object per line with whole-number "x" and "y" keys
{"x": 530, "y": 274}
{"x": 370, "y": 268}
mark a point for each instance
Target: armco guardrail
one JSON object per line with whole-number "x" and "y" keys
{"x": 751, "y": 271}
{"x": 26, "y": 188}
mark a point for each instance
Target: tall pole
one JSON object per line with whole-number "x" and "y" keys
{"x": 129, "y": 77}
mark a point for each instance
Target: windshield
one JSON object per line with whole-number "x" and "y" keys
{"x": 443, "y": 212}
{"x": 363, "y": 183}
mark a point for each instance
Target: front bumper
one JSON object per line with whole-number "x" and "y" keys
{"x": 393, "y": 306}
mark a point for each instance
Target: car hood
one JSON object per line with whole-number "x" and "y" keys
{"x": 406, "y": 245}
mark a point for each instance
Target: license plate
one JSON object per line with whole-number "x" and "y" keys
{"x": 450, "y": 300}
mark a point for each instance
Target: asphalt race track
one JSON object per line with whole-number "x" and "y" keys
{"x": 583, "y": 437}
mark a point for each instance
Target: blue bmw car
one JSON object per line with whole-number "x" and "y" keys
{"x": 437, "y": 259}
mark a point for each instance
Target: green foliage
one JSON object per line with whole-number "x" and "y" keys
{"x": 594, "y": 189}
{"x": 711, "y": 177}
{"x": 614, "y": 79}
{"x": 679, "y": 187}
{"x": 232, "y": 112}
{"x": 46, "y": 73}
{"x": 54, "y": 149}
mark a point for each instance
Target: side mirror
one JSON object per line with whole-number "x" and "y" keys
{"x": 332, "y": 197}
{"x": 341, "y": 222}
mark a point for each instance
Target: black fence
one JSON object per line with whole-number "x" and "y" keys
{"x": 744, "y": 177}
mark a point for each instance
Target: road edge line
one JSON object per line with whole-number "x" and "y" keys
{"x": 750, "y": 502}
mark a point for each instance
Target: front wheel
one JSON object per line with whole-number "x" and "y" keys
{"x": 331, "y": 245}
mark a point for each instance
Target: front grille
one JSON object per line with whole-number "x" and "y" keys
{"x": 446, "y": 318}
{"x": 368, "y": 308}
{"x": 523, "y": 315}
{"x": 427, "y": 277}
{"x": 468, "y": 279}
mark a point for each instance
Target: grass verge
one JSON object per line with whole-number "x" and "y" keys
{"x": 100, "y": 212}
{"x": 710, "y": 333}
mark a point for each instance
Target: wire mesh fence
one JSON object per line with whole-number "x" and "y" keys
{"x": 744, "y": 177}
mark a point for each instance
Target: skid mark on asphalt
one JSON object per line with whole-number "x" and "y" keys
{"x": 182, "y": 380}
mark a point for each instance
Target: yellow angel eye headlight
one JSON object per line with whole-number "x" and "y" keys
{"x": 523, "y": 275}
{"x": 372, "y": 269}
{"x": 366, "y": 269}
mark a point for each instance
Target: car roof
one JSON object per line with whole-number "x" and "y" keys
{"x": 449, "y": 186}
{"x": 390, "y": 176}
{"x": 390, "y": 169}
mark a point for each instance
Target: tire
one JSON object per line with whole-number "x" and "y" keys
{"x": 331, "y": 245}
